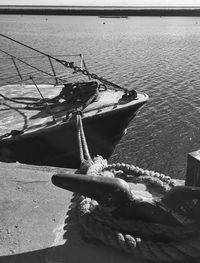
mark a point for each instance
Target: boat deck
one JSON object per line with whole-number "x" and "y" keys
{"x": 17, "y": 117}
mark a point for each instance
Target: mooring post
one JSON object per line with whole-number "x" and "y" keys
{"x": 193, "y": 169}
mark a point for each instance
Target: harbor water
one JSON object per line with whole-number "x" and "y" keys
{"x": 156, "y": 55}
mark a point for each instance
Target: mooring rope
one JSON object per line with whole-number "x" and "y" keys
{"x": 85, "y": 158}
{"x": 149, "y": 241}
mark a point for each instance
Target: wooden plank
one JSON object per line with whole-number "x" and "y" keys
{"x": 193, "y": 169}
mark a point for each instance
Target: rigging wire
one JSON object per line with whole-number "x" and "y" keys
{"x": 27, "y": 63}
{"x": 67, "y": 64}
{"x": 34, "y": 49}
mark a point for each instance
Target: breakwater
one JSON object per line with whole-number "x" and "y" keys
{"x": 100, "y": 11}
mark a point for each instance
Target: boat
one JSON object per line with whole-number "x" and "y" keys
{"x": 39, "y": 108}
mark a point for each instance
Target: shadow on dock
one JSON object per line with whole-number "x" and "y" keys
{"x": 73, "y": 250}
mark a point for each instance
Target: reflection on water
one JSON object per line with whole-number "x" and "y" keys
{"x": 159, "y": 56}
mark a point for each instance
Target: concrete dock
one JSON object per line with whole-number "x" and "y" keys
{"x": 38, "y": 222}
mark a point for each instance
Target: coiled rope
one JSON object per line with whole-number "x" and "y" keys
{"x": 148, "y": 241}
{"x": 39, "y": 104}
{"x": 81, "y": 99}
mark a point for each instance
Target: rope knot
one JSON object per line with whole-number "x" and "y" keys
{"x": 85, "y": 166}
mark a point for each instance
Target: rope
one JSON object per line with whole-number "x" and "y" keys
{"x": 153, "y": 242}
{"x": 141, "y": 175}
{"x": 149, "y": 247}
{"x": 83, "y": 98}
{"x": 71, "y": 98}
{"x": 85, "y": 158}
{"x": 15, "y": 100}
{"x": 148, "y": 241}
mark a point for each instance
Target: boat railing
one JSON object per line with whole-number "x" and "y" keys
{"x": 22, "y": 74}
{"x": 50, "y": 59}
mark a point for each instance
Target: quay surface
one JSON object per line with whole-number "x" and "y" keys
{"x": 38, "y": 222}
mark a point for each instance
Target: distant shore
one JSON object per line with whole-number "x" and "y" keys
{"x": 100, "y": 11}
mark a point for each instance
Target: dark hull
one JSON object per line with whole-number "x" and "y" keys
{"x": 58, "y": 146}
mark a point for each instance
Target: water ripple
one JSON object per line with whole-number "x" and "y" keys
{"x": 159, "y": 56}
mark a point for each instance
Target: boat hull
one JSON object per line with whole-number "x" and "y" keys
{"x": 59, "y": 147}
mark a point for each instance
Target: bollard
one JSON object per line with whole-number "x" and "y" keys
{"x": 193, "y": 169}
